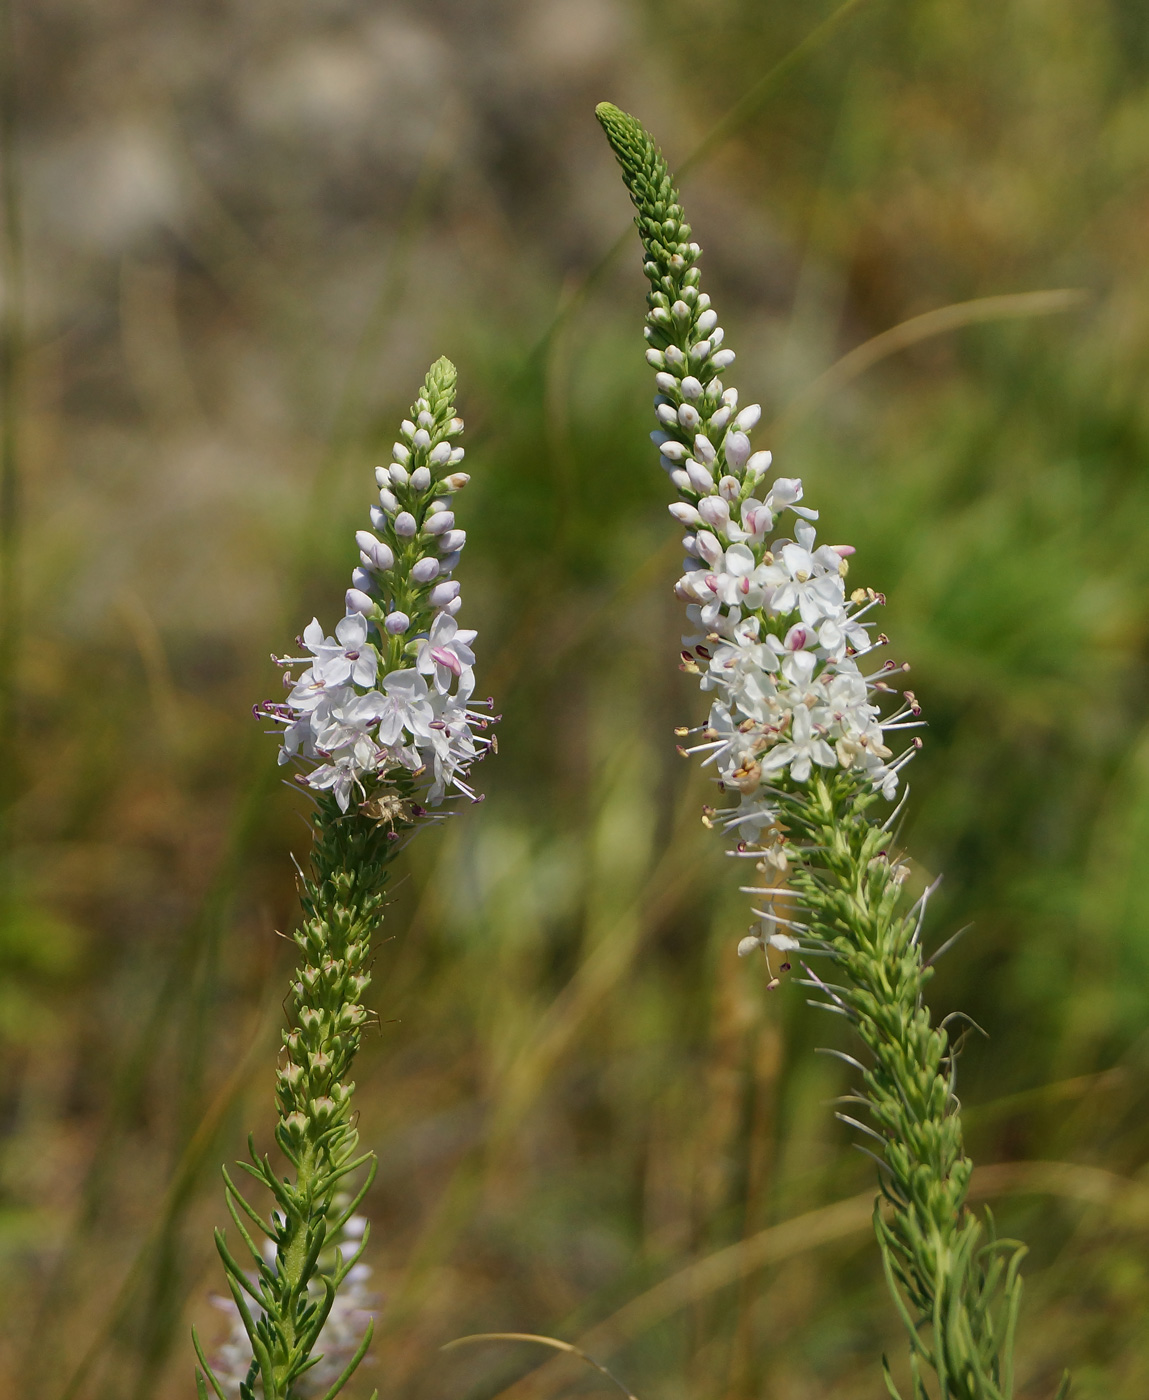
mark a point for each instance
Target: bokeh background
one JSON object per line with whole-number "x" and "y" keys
{"x": 234, "y": 235}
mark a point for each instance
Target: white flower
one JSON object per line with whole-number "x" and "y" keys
{"x": 341, "y": 777}
{"x": 342, "y": 724}
{"x": 404, "y": 707}
{"x": 451, "y": 744}
{"x": 804, "y": 748}
{"x": 806, "y": 579}
{"x": 350, "y": 656}
{"x": 446, "y": 652}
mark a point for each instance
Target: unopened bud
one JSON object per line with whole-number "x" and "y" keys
{"x": 396, "y": 623}
{"x": 684, "y": 513}
{"x": 425, "y": 569}
{"x": 452, "y": 540}
{"x": 420, "y": 479}
{"x": 359, "y": 602}
{"x": 439, "y": 523}
{"x": 700, "y": 478}
{"x": 456, "y": 481}
{"x": 737, "y": 446}
{"x": 444, "y": 593}
{"x": 405, "y": 524}
{"x": 375, "y": 554}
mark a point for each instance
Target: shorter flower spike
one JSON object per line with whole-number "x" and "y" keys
{"x": 380, "y": 725}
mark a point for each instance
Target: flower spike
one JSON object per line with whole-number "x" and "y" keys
{"x": 380, "y": 728}
{"x": 799, "y": 738}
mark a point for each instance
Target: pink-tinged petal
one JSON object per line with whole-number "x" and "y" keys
{"x": 448, "y": 659}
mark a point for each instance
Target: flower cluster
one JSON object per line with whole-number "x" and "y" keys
{"x": 388, "y": 696}
{"x": 776, "y": 638}
{"x": 352, "y": 1311}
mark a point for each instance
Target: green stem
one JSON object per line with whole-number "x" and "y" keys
{"x": 956, "y": 1286}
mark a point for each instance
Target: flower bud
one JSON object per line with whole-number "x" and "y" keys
{"x": 389, "y": 501}
{"x": 689, "y": 417}
{"x": 359, "y": 602}
{"x": 407, "y": 429}
{"x": 425, "y": 569}
{"x": 451, "y": 561}
{"x": 684, "y": 513}
{"x": 666, "y": 382}
{"x": 443, "y": 593}
{"x": 379, "y": 517}
{"x": 453, "y": 607}
{"x": 737, "y": 448}
{"x": 704, "y": 449}
{"x": 681, "y": 479}
{"x": 376, "y": 554}
{"x": 362, "y": 580}
{"x": 454, "y": 427}
{"x": 405, "y": 524}
{"x": 382, "y": 476}
{"x": 700, "y": 478}
{"x": 441, "y": 521}
{"x": 692, "y": 387}
{"x": 396, "y": 623}
{"x": 758, "y": 463}
{"x": 452, "y": 540}
{"x": 719, "y": 419}
{"x": 709, "y": 547}
{"x": 723, "y": 359}
{"x": 715, "y": 511}
{"x": 706, "y": 322}
{"x": 729, "y": 489}
{"x": 673, "y": 451}
{"x": 398, "y": 475}
{"x": 655, "y": 358}
{"x": 439, "y": 454}
{"x": 456, "y": 481}
{"x": 399, "y": 452}
{"x": 420, "y": 479}
{"x": 748, "y": 418}
{"x": 457, "y": 455}
{"x": 422, "y": 438}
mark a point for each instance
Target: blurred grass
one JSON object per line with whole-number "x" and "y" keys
{"x": 245, "y": 231}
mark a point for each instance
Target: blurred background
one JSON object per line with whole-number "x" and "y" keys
{"x": 234, "y": 235}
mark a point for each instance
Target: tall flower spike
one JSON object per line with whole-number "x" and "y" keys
{"x": 382, "y": 730}
{"x": 800, "y": 735}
